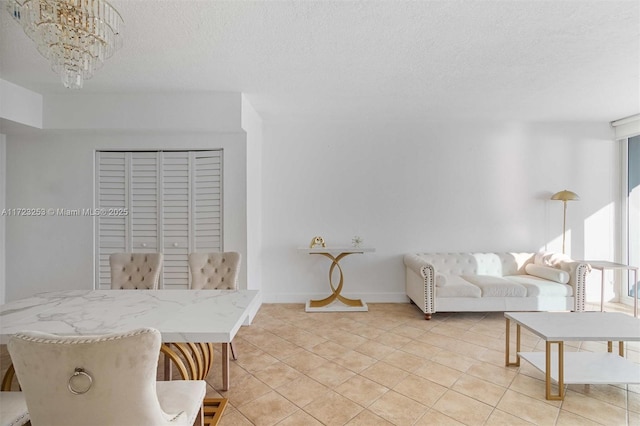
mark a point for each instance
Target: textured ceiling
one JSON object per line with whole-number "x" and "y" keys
{"x": 372, "y": 60}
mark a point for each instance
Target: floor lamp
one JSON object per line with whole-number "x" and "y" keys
{"x": 565, "y": 196}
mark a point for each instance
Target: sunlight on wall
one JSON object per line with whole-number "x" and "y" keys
{"x": 555, "y": 244}
{"x": 599, "y": 245}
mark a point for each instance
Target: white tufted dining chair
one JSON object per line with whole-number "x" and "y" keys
{"x": 135, "y": 271}
{"x": 13, "y": 409}
{"x": 103, "y": 380}
{"x": 215, "y": 271}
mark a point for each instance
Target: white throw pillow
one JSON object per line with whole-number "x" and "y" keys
{"x": 547, "y": 273}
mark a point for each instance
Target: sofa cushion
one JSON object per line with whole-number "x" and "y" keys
{"x": 540, "y": 287}
{"x": 456, "y": 286}
{"x": 449, "y": 279}
{"x": 492, "y": 286}
{"x": 548, "y": 273}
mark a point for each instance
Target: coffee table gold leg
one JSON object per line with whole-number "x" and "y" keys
{"x": 560, "y": 395}
{"x": 621, "y": 349}
{"x": 507, "y": 360}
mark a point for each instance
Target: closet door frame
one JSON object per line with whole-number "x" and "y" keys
{"x": 128, "y": 244}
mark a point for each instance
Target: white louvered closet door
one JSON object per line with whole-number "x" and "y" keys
{"x": 207, "y": 197}
{"x": 176, "y": 218}
{"x": 174, "y": 201}
{"x": 192, "y": 214}
{"x": 143, "y": 202}
{"x": 111, "y": 193}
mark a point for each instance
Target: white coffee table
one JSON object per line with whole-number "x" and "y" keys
{"x": 577, "y": 367}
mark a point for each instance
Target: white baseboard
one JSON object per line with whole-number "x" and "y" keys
{"x": 304, "y": 297}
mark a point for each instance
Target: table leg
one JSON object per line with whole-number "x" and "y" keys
{"x": 560, "y": 395}
{"x": 7, "y": 380}
{"x": 602, "y": 291}
{"x": 620, "y": 347}
{"x": 168, "y": 371}
{"x": 225, "y": 366}
{"x": 335, "y": 290}
{"x": 635, "y": 293}
{"x": 507, "y": 357}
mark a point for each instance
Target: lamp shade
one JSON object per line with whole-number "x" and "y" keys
{"x": 565, "y": 195}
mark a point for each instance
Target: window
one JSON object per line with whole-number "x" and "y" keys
{"x": 165, "y": 201}
{"x": 633, "y": 207}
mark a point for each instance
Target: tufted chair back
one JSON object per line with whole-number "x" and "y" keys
{"x": 214, "y": 271}
{"x": 100, "y": 380}
{"x": 135, "y": 271}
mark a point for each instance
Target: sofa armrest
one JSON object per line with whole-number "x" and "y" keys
{"x": 420, "y": 283}
{"x": 416, "y": 264}
{"x": 578, "y": 279}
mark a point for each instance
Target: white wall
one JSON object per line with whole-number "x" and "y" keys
{"x": 402, "y": 187}
{"x": 20, "y": 105}
{"x": 47, "y": 170}
{"x": 55, "y": 169}
{"x": 2, "y": 217}
{"x": 252, "y": 124}
{"x": 427, "y": 187}
{"x": 197, "y": 111}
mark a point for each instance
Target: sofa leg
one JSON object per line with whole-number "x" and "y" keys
{"x": 427, "y": 317}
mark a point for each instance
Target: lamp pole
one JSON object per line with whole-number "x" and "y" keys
{"x": 564, "y": 196}
{"x": 564, "y": 223}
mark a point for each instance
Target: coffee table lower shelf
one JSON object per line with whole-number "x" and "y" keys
{"x": 588, "y": 367}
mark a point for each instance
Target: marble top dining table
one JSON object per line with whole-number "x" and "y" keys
{"x": 212, "y": 316}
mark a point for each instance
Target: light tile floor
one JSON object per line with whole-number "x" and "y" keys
{"x": 389, "y": 366}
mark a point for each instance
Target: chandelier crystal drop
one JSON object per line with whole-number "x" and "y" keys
{"x": 76, "y": 36}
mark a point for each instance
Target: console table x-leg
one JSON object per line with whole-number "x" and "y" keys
{"x": 335, "y": 301}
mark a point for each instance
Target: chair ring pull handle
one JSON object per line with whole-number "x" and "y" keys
{"x": 77, "y": 373}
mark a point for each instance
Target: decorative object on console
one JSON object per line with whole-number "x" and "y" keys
{"x": 317, "y": 241}
{"x": 357, "y": 241}
{"x": 76, "y": 37}
{"x": 565, "y": 196}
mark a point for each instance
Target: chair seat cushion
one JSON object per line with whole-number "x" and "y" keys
{"x": 13, "y": 409}
{"x": 175, "y": 395}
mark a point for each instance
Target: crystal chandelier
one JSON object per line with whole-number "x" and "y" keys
{"x": 76, "y": 36}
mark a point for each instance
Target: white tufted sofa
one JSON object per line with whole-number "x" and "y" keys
{"x": 486, "y": 282}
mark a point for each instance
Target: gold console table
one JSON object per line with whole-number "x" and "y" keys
{"x": 336, "y": 302}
